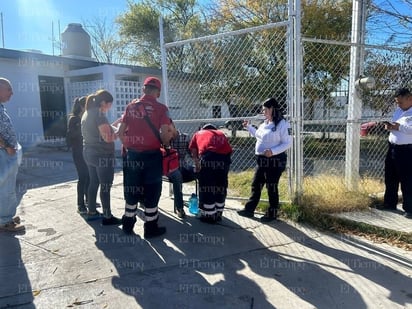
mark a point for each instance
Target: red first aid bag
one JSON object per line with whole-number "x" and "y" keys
{"x": 170, "y": 160}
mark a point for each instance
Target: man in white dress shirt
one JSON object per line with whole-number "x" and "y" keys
{"x": 398, "y": 162}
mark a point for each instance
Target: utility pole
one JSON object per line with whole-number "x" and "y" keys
{"x": 2, "y": 30}
{"x": 355, "y": 102}
{"x": 52, "y": 38}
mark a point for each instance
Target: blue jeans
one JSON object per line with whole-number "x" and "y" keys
{"x": 8, "y": 175}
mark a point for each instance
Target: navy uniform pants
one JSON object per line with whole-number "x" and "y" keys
{"x": 143, "y": 183}
{"x": 398, "y": 170}
{"x": 213, "y": 183}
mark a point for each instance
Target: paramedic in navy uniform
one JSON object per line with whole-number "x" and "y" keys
{"x": 398, "y": 161}
{"x": 143, "y": 170}
{"x": 272, "y": 140}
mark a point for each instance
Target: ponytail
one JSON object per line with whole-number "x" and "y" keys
{"x": 94, "y": 100}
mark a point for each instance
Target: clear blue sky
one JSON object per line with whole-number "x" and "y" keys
{"x": 27, "y": 24}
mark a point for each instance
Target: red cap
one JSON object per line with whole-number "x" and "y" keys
{"x": 152, "y": 81}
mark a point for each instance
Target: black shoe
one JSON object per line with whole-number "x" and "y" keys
{"x": 267, "y": 218}
{"x": 219, "y": 216}
{"x": 128, "y": 224}
{"x": 270, "y": 215}
{"x": 81, "y": 209}
{"x": 385, "y": 207}
{"x": 111, "y": 221}
{"x": 154, "y": 232}
{"x": 408, "y": 215}
{"x": 245, "y": 213}
{"x": 180, "y": 213}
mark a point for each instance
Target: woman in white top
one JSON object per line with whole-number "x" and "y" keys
{"x": 272, "y": 140}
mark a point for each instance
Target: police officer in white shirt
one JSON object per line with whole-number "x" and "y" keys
{"x": 398, "y": 161}
{"x": 272, "y": 140}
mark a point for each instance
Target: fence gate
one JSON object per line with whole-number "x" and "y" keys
{"x": 223, "y": 79}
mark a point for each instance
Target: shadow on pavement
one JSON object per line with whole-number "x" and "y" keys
{"x": 372, "y": 270}
{"x": 16, "y": 289}
{"x": 203, "y": 266}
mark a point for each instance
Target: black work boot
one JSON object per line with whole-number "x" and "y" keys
{"x": 245, "y": 213}
{"x": 128, "y": 224}
{"x": 151, "y": 229}
{"x": 270, "y": 215}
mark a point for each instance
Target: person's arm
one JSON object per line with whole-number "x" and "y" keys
{"x": 196, "y": 159}
{"x": 7, "y": 136}
{"x": 194, "y": 151}
{"x": 285, "y": 138}
{"x": 106, "y": 132}
{"x": 122, "y": 130}
{"x": 10, "y": 150}
{"x": 167, "y": 131}
{"x": 251, "y": 129}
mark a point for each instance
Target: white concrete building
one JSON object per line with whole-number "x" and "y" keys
{"x": 45, "y": 86}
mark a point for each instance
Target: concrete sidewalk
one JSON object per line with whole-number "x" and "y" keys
{"x": 62, "y": 261}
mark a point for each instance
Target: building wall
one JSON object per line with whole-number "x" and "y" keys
{"x": 24, "y": 107}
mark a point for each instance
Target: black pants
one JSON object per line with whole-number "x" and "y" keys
{"x": 267, "y": 171}
{"x": 143, "y": 183}
{"x": 213, "y": 183}
{"x": 398, "y": 170}
{"x": 82, "y": 173}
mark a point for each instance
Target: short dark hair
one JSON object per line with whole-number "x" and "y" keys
{"x": 402, "y": 92}
{"x": 209, "y": 126}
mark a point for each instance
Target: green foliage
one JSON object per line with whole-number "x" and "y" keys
{"x": 140, "y": 25}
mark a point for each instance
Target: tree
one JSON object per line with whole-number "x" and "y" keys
{"x": 392, "y": 19}
{"x": 327, "y": 20}
{"x": 257, "y": 67}
{"x": 140, "y": 26}
{"x": 107, "y": 46}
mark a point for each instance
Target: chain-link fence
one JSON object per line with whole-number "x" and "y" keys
{"x": 223, "y": 79}
{"x": 326, "y": 96}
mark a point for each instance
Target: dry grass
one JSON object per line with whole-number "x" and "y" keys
{"x": 325, "y": 193}
{"x": 328, "y": 194}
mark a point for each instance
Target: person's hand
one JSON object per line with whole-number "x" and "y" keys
{"x": 267, "y": 153}
{"x": 197, "y": 166}
{"x": 11, "y": 151}
{"x": 246, "y": 123}
{"x": 391, "y": 126}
